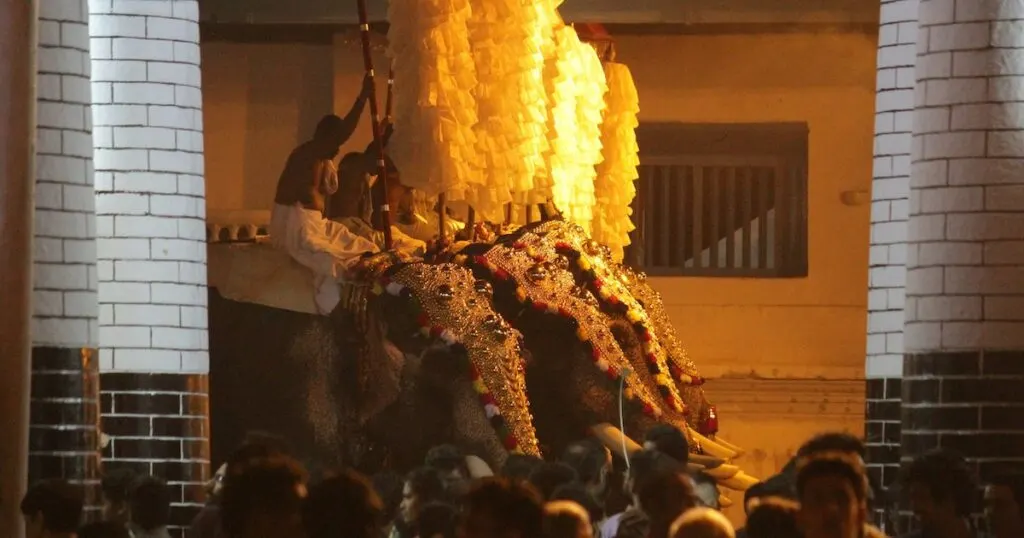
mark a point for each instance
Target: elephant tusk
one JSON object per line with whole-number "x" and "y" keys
{"x": 739, "y": 451}
{"x": 723, "y": 471}
{"x": 740, "y": 482}
{"x": 615, "y": 440}
{"x": 478, "y": 468}
{"x": 712, "y": 447}
{"x": 705, "y": 461}
{"x": 724, "y": 501}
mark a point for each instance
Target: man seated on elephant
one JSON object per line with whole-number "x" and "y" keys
{"x": 351, "y": 205}
{"x": 297, "y": 223}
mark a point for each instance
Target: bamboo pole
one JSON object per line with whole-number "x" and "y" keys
{"x": 378, "y": 134}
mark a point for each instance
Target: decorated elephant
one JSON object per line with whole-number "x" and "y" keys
{"x": 521, "y": 345}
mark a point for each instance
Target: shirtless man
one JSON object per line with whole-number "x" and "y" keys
{"x": 310, "y": 173}
{"x": 297, "y": 223}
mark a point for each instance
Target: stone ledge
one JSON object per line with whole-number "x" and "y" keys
{"x": 788, "y": 397}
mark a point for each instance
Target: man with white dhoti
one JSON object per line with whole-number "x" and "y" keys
{"x": 297, "y": 223}
{"x": 352, "y": 204}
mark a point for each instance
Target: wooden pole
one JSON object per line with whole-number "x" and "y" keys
{"x": 471, "y": 224}
{"x": 378, "y": 134}
{"x": 442, "y": 202}
{"x": 17, "y": 177}
{"x": 389, "y": 101}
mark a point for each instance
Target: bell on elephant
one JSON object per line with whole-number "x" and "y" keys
{"x": 495, "y": 324}
{"x": 483, "y": 287}
{"x": 445, "y": 292}
{"x": 537, "y": 272}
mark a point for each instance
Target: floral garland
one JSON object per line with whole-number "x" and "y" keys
{"x": 603, "y": 365}
{"x": 637, "y": 318}
{"x": 427, "y": 329}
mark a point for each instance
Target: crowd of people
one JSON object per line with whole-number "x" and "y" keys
{"x": 263, "y": 492}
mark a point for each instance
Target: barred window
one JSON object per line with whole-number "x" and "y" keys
{"x": 721, "y": 200}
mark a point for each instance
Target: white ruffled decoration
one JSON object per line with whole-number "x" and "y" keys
{"x": 576, "y": 87}
{"x": 434, "y": 111}
{"x": 615, "y": 176}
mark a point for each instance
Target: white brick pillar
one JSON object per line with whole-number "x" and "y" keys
{"x": 64, "y": 440}
{"x": 147, "y": 112}
{"x": 964, "y": 335}
{"x": 894, "y": 104}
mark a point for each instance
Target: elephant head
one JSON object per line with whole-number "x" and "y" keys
{"x": 589, "y": 334}
{"x": 463, "y": 377}
{"x": 579, "y": 368}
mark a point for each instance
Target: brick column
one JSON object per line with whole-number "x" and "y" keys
{"x": 64, "y": 441}
{"x": 963, "y": 384}
{"x": 147, "y": 111}
{"x": 894, "y": 105}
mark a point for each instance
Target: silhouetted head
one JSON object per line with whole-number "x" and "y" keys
{"x": 51, "y": 508}
{"x": 579, "y": 494}
{"x": 566, "y": 519}
{"x": 329, "y": 135}
{"x": 833, "y": 498}
{"x": 940, "y": 488}
{"x": 263, "y": 497}
{"x": 519, "y": 466}
{"x": 668, "y": 440}
{"x": 117, "y": 489}
{"x": 499, "y": 508}
{"x": 702, "y": 522}
{"x": 592, "y": 462}
{"x": 549, "y": 476}
{"x": 151, "y": 503}
{"x": 437, "y": 520}
{"x": 450, "y": 463}
{"x": 421, "y": 486}
{"x": 1004, "y": 505}
{"x": 343, "y": 505}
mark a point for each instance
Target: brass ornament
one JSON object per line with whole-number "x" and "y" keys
{"x": 537, "y": 272}
{"x": 484, "y": 288}
{"x": 445, "y": 292}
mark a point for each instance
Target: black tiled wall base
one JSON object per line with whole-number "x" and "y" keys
{"x": 882, "y": 437}
{"x": 64, "y": 419}
{"x": 159, "y": 424}
{"x": 970, "y": 402}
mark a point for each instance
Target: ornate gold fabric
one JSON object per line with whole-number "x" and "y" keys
{"x": 455, "y": 303}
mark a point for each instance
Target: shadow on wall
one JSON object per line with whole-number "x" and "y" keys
{"x": 260, "y": 102}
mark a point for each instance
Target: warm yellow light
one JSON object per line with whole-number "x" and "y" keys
{"x": 576, "y": 88}
{"x": 434, "y": 110}
{"x": 615, "y": 176}
{"x": 508, "y": 54}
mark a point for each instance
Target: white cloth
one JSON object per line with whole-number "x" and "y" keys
{"x": 399, "y": 240}
{"x": 610, "y": 526}
{"x": 327, "y": 248}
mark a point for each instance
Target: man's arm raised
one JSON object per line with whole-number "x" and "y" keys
{"x": 351, "y": 120}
